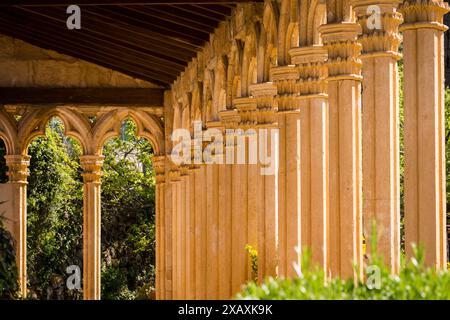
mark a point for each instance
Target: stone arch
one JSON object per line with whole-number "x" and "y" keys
{"x": 208, "y": 112}
{"x": 8, "y": 132}
{"x": 234, "y": 71}
{"x": 33, "y": 125}
{"x": 108, "y": 126}
{"x": 317, "y": 15}
{"x": 339, "y": 11}
{"x": 196, "y": 102}
{"x": 249, "y": 62}
{"x": 186, "y": 113}
{"x": 288, "y": 26}
{"x": 220, "y": 86}
{"x": 267, "y": 49}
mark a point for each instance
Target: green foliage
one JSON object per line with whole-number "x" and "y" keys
{"x": 128, "y": 226}
{"x": 402, "y": 154}
{"x": 447, "y": 147}
{"x": 415, "y": 282}
{"x": 55, "y": 214}
{"x": 9, "y": 286}
{"x": 253, "y": 254}
{"x": 3, "y": 168}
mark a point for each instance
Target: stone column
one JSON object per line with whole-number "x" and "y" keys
{"x": 289, "y": 181}
{"x": 17, "y": 222}
{"x": 213, "y": 204}
{"x": 159, "y": 167}
{"x": 182, "y": 231}
{"x": 175, "y": 183}
{"x": 245, "y": 226}
{"x": 344, "y": 94}
{"x": 266, "y": 182}
{"x": 380, "y": 126}
{"x": 200, "y": 232}
{"x": 190, "y": 233}
{"x": 314, "y": 150}
{"x": 228, "y": 214}
{"x": 92, "y": 166}
{"x": 225, "y": 232}
{"x": 425, "y": 194}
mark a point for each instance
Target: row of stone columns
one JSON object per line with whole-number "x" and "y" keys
{"x": 17, "y": 219}
{"x": 338, "y": 168}
{"x": 337, "y": 111}
{"x": 425, "y": 179}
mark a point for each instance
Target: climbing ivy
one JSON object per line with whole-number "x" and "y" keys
{"x": 8, "y": 271}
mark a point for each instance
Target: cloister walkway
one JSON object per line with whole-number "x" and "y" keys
{"x": 322, "y": 74}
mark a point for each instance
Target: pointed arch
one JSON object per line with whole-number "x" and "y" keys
{"x": 317, "y": 15}
{"x": 249, "y": 62}
{"x": 267, "y": 48}
{"x": 109, "y": 125}
{"x": 234, "y": 72}
{"x": 8, "y": 131}
{"x": 289, "y": 27}
{"x": 196, "y": 102}
{"x": 33, "y": 125}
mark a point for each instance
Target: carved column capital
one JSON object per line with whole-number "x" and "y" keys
{"x": 159, "y": 164}
{"x": 92, "y": 168}
{"x": 286, "y": 79}
{"x": 380, "y": 35}
{"x": 246, "y": 108}
{"x": 310, "y": 62}
{"x": 174, "y": 175}
{"x": 229, "y": 118}
{"x": 264, "y": 94}
{"x": 424, "y": 14}
{"x": 340, "y": 39}
{"x": 18, "y": 168}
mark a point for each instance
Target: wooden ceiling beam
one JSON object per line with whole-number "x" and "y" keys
{"x": 147, "y": 33}
{"x": 117, "y": 64}
{"x": 191, "y": 10}
{"x": 157, "y": 25}
{"x": 178, "y": 13}
{"x": 216, "y": 9}
{"x": 93, "y": 26}
{"x": 163, "y": 15}
{"x": 85, "y": 96}
{"x": 94, "y": 41}
{"x": 96, "y": 45}
{"x": 118, "y": 2}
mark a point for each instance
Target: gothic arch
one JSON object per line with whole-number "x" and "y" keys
{"x": 208, "y": 112}
{"x": 317, "y": 15}
{"x": 8, "y": 131}
{"x": 196, "y": 102}
{"x": 249, "y": 63}
{"x": 234, "y": 71}
{"x": 33, "y": 125}
{"x": 220, "y": 86}
{"x": 109, "y": 125}
{"x": 289, "y": 27}
{"x": 267, "y": 49}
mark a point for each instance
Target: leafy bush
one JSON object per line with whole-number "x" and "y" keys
{"x": 55, "y": 214}
{"x": 128, "y": 217}
{"x": 9, "y": 286}
{"x": 414, "y": 282}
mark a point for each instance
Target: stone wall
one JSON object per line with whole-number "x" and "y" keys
{"x": 25, "y": 65}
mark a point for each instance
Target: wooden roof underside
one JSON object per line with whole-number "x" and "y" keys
{"x": 149, "y": 40}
